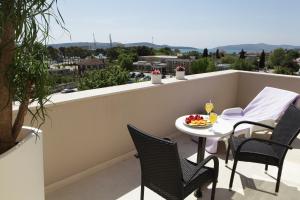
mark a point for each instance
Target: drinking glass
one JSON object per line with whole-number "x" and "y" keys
{"x": 209, "y": 107}
{"x": 213, "y": 117}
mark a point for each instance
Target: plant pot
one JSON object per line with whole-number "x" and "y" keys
{"x": 180, "y": 75}
{"x": 156, "y": 78}
{"x": 22, "y": 170}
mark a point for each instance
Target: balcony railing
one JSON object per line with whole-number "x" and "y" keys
{"x": 87, "y": 131}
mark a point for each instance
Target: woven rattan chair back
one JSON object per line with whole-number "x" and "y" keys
{"x": 160, "y": 163}
{"x": 286, "y": 130}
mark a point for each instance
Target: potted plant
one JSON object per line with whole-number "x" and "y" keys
{"x": 180, "y": 72}
{"x": 24, "y": 30}
{"x": 155, "y": 76}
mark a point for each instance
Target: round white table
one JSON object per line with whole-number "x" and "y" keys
{"x": 219, "y": 129}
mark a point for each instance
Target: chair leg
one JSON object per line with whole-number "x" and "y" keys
{"x": 213, "y": 190}
{"x": 278, "y": 179}
{"x": 227, "y": 154}
{"x": 142, "y": 192}
{"x": 232, "y": 173}
{"x": 136, "y": 156}
{"x": 266, "y": 167}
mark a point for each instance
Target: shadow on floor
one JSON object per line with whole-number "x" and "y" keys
{"x": 122, "y": 181}
{"x": 255, "y": 189}
{"x": 221, "y": 193}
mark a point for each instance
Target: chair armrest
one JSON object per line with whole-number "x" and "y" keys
{"x": 262, "y": 140}
{"x": 203, "y": 163}
{"x": 253, "y": 123}
{"x": 236, "y": 110}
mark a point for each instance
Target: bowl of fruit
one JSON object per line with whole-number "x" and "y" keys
{"x": 197, "y": 121}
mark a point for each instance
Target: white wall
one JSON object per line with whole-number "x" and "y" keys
{"x": 88, "y": 128}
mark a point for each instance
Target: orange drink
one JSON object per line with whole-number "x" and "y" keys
{"x": 213, "y": 117}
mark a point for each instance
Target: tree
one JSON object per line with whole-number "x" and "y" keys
{"x": 24, "y": 29}
{"x": 190, "y": 54}
{"x": 126, "y": 61}
{"x": 114, "y": 75}
{"x": 76, "y": 52}
{"x": 218, "y": 54}
{"x": 242, "y": 64}
{"x": 53, "y": 53}
{"x": 292, "y": 54}
{"x": 195, "y": 54}
{"x": 228, "y": 59}
{"x": 289, "y": 60}
{"x": 176, "y": 51}
{"x": 242, "y": 54}
{"x": 277, "y": 57}
{"x": 202, "y": 65}
{"x": 283, "y": 70}
{"x": 165, "y": 51}
{"x": 282, "y": 58}
{"x": 62, "y": 51}
{"x": 262, "y": 59}
{"x": 144, "y": 51}
{"x": 205, "y": 53}
{"x": 113, "y": 53}
{"x": 222, "y": 53}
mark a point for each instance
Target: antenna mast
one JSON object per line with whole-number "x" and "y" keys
{"x": 110, "y": 41}
{"x": 95, "y": 44}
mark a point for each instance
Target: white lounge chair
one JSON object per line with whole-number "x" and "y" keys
{"x": 267, "y": 107}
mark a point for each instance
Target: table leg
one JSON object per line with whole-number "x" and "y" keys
{"x": 200, "y": 157}
{"x": 201, "y": 149}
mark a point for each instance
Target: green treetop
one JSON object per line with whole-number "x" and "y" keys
{"x": 205, "y": 53}
{"x": 262, "y": 59}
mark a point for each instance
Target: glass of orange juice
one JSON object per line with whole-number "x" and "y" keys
{"x": 213, "y": 117}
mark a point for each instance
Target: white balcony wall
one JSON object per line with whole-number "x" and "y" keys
{"x": 251, "y": 83}
{"x": 88, "y": 128}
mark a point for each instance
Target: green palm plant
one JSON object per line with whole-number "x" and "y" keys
{"x": 24, "y": 32}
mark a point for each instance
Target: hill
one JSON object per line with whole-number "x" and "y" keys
{"x": 253, "y": 47}
{"x": 100, "y": 45}
{"x": 228, "y": 48}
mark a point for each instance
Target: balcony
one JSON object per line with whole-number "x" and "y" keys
{"x": 88, "y": 153}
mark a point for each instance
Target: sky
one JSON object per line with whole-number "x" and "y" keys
{"x": 196, "y": 23}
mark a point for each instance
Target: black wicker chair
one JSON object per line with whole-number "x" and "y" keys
{"x": 164, "y": 172}
{"x": 268, "y": 152}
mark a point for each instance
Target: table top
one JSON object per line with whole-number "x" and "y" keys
{"x": 219, "y": 129}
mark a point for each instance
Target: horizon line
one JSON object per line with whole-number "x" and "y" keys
{"x": 295, "y": 45}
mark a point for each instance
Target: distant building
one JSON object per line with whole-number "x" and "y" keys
{"x": 70, "y": 60}
{"x": 90, "y": 64}
{"x": 101, "y": 56}
{"x": 252, "y": 56}
{"x": 143, "y": 66}
{"x": 56, "y": 69}
{"x": 167, "y": 64}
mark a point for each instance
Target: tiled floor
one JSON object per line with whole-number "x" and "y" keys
{"x": 122, "y": 181}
